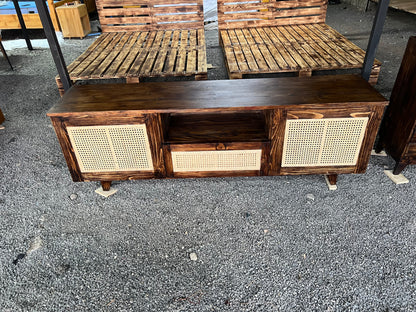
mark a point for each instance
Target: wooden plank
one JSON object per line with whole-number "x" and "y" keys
{"x": 91, "y": 55}
{"x": 311, "y": 62}
{"x": 287, "y": 57}
{"x": 191, "y": 63}
{"x": 238, "y": 52}
{"x": 268, "y": 57}
{"x": 181, "y": 58}
{"x": 272, "y": 48}
{"x": 202, "y": 56}
{"x": 319, "y": 46}
{"x": 87, "y": 52}
{"x": 90, "y": 71}
{"x": 123, "y": 60}
{"x": 171, "y": 59}
{"x": 404, "y": 5}
{"x": 246, "y": 50}
{"x": 131, "y": 56}
{"x": 333, "y": 45}
{"x": 144, "y": 15}
{"x": 307, "y": 47}
{"x": 206, "y": 95}
{"x": 301, "y": 63}
{"x": 153, "y": 51}
{"x": 252, "y": 36}
{"x": 142, "y": 55}
{"x": 161, "y": 57}
{"x": 99, "y": 72}
{"x": 243, "y": 14}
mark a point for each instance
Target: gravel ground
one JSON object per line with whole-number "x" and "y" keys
{"x": 262, "y": 243}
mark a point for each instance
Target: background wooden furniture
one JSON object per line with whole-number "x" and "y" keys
{"x": 9, "y": 20}
{"x": 144, "y": 38}
{"x": 91, "y": 7}
{"x": 74, "y": 20}
{"x": 316, "y": 125}
{"x": 275, "y": 36}
{"x": 397, "y": 131}
{"x": 1, "y": 117}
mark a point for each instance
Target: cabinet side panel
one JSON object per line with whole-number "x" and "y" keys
{"x": 369, "y": 139}
{"x": 67, "y": 149}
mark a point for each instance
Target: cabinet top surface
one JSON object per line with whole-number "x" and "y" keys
{"x": 215, "y": 95}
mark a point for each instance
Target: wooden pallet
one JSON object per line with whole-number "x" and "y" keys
{"x": 135, "y": 55}
{"x": 283, "y": 36}
{"x": 404, "y": 5}
{"x": 145, "y": 38}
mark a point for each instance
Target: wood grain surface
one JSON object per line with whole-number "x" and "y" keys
{"x": 218, "y": 95}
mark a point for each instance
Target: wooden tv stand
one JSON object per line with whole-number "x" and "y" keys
{"x": 275, "y": 126}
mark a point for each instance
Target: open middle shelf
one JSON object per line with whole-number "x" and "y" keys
{"x": 201, "y": 144}
{"x": 216, "y": 127}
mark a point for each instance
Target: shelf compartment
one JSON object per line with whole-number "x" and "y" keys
{"x": 216, "y": 128}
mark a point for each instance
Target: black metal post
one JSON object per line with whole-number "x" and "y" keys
{"x": 5, "y": 54}
{"x": 53, "y": 43}
{"x": 22, "y": 24}
{"x": 378, "y": 24}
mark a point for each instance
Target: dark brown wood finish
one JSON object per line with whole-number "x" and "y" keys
{"x": 397, "y": 130}
{"x": 317, "y": 92}
{"x": 155, "y": 134}
{"x": 277, "y": 125}
{"x": 1, "y": 117}
{"x": 63, "y": 138}
{"x": 332, "y": 178}
{"x": 220, "y": 127}
{"x": 369, "y": 138}
{"x": 239, "y": 115}
{"x": 106, "y": 185}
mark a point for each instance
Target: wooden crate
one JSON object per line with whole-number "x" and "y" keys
{"x": 283, "y": 36}
{"x": 74, "y": 20}
{"x": 145, "y": 39}
{"x": 31, "y": 18}
{"x": 274, "y": 126}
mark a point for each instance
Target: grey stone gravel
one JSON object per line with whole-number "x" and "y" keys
{"x": 262, "y": 243}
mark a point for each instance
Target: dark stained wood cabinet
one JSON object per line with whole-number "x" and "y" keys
{"x": 397, "y": 131}
{"x": 275, "y": 126}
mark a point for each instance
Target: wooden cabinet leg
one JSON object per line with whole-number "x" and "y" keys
{"x": 399, "y": 168}
{"x": 106, "y": 185}
{"x": 332, "y": 178}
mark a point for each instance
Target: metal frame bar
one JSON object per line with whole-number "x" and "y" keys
{"x": 378, "y": 24}
{"x": 22, "y": 24}
{"x": 5, "y": 54}
{"x": 53, "y": 43}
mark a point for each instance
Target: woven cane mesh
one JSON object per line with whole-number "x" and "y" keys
{"x": 323, "y": 142}
{"x": 216, "y": 160}
{"x": 111, "y": 148}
